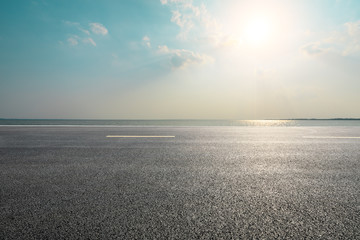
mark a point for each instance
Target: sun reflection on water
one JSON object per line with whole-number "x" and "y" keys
{"x": 270, "y": 123}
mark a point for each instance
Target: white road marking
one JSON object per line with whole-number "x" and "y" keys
{"x": 327, "y": 137}
{"x": 127, "y": 136}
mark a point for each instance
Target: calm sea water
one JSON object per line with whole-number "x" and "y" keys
{"x": 266, "y": 123}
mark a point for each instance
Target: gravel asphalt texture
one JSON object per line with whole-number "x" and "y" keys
{"x": 206, "y": 183}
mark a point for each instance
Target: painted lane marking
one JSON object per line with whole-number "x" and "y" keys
{"x": 127, "y": 136}
{"x": 330, "y": 137}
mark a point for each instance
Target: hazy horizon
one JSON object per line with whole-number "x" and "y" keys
{"x": 181, "y": 119}
{"x": 180, "y": 59}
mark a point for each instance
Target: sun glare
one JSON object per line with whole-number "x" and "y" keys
{"x": 257, "y": 31}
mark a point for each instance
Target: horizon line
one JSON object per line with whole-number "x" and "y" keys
{"x": 180, "y": 119}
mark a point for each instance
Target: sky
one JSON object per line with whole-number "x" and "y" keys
{"x": 180, "y": 59}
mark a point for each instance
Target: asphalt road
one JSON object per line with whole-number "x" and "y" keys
{"x": 206, "y": 182}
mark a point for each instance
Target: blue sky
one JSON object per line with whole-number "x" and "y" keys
{"x": 163, "y": 59}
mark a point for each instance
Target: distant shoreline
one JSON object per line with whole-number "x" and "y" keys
{"x": 184, "y": 122}
{"x": 320, "y": 119}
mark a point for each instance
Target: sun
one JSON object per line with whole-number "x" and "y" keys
{"x": 257, "y": 31}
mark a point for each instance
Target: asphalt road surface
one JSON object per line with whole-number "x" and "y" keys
{"x": 192, "y": 183}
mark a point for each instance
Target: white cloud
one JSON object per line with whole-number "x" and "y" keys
{"x": 163, "y": 49}
{"x": 176, "y": 18}
{"x": 353, "y": 28}
{"x": 89, "y": 41}
{"x": 98, "y": 28}
{"x": 84, "y": 34}
{"x": 345, "y": 42}
{"x": 78, "y": 26}
{"x": 196, "y": 23}
{"x": 339, "y": 49}
{"x": 353, "y": 38}
{"x": 72, "y": 41}
{"x": 312, "y": 49}
{"x": 197, "y": 27}
{"x": 146, "y": 41}
{"x": 181, "y": 58}
{"x": 87, "y": 32}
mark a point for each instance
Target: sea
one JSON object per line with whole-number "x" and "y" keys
{"x": 182, "y": 122}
